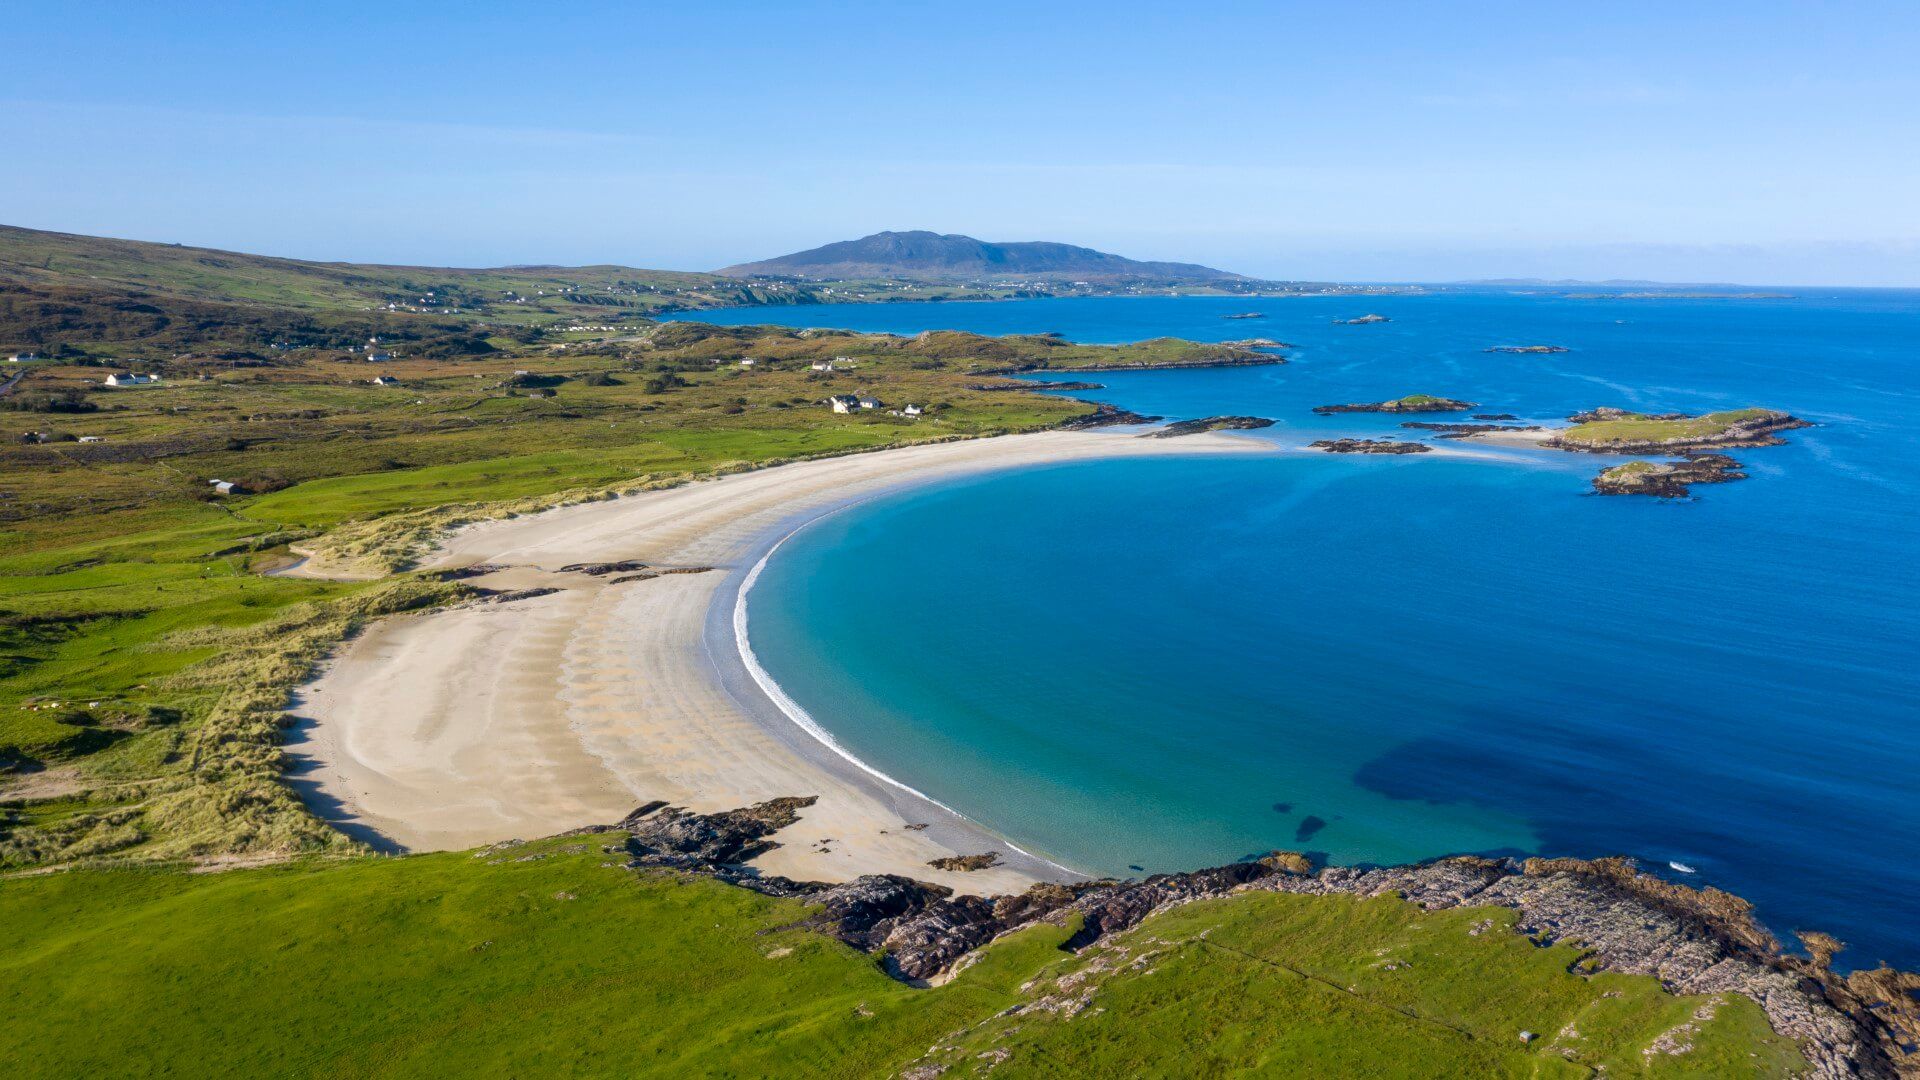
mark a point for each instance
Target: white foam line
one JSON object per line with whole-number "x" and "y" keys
{"x": 805, "y": 721}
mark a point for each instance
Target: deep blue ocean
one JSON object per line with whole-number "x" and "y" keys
{"x": 1164, "y": 664}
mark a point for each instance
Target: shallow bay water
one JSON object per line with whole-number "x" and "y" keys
{"x": 1161, "y": 664}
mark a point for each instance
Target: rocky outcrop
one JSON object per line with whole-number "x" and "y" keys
{"x": 671, "y": 836}
{"x": 1528, "y": 349}
{"x": 1362, "y": 320}
{"x": 1209, "y": 423}
{"x": 1695, "y": 941}
{"x": 1370, "y": 446}
{"x": 996, "y": 387}
{"x": 1412, "y": 403}
{"x": 1461, "y": 431}
{"x": 1615, "y": 431}
{"x": 602, "y": 569}
{"x": 965, "y": 863}
{"x": 1667, "y": 480}
{"x": 1105, "y": 415}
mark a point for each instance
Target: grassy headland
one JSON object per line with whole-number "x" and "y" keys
{"x": 540, "y": 959}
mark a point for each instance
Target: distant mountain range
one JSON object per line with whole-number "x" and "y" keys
{"x": 930, "y": 256}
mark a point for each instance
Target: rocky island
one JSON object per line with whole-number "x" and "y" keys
{"x": 1412, "y": 403}
{"x": 1247, "y": 315}
{"x": 1617, "y": 431}
{"x": 1362, "y": 320}
{"x": 1210, "y": 423}
{"x": 1370, "y": 446}
{"x": 1528, "y": 349}
{"x": 1667, "y": 480}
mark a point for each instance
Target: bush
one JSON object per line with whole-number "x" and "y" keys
{"x": 66, "y": 401}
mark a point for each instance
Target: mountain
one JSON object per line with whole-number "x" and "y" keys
{"x": 933, "y": 256}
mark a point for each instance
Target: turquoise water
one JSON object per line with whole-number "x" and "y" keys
{"x": 1151, "y": 665}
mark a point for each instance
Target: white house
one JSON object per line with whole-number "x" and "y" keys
{"x": 748, "y": 362}
{"x": 379, "y": 357}
{"x": 129, "y": 379}
{"x": 869, "y": 403}
{"x": 224, "y": 487}
{"x": 89, "y": 438}
{"x": 385, "y": 380}
{"x": 844, "y": 403}
{"x": 911, "y": 410}
{"x": 22, "y": 358}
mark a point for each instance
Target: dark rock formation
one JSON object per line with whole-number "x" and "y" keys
{"x": 654, "y": 572}
{"x": 464, "y": 572}
{"x": 1258, "y": 343}
{"x": 1209, "y": 423}
{"x": 1461, "y": 431}
{"x": 1362, "y": 320}
{"x": 1105, "y": 415}
{"x": 1413, "y": 403}
{"x": 1695, "y": 941}
{"x": 1370, "y": 446}
{"x": 1495, "y": 416}
{"x": 1242, "y": 356}
{"x": 1667, "y": 480}
{"x": 1608, "y": 412}
{"x": 674, "y": 837}
{"x": 602, "y": 569}
{"x": 966, "y": 862}
{"x": 508, "y": 596}
{"x": 1247, "y": 315}
{"x": 1036, "y": 386}
{"x": 1528, "y": 349}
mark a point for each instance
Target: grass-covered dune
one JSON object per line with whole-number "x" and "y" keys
{"x": 551, "y": 959}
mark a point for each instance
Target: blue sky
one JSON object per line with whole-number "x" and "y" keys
{"x": 1757, "y": 142}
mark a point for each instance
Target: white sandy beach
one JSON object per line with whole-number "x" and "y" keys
{"x": 494, "y": 721}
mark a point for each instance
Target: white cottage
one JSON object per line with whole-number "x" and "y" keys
{"x": 121, "y": 378}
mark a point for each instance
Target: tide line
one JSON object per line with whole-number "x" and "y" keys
{"x": 805, "y": 721}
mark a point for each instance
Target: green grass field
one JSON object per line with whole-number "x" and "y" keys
{"x": 542, "y": 959}
{"x": 1645, "y": 429}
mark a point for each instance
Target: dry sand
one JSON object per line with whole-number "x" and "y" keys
{"x": 493, "y": 721}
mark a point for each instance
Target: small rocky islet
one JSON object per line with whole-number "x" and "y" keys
{"x": 1412, "y": 403}
{"x": 1695, "y": 439}
{"x": 1209, "y": 423}
{"x": 1369, "y": 446}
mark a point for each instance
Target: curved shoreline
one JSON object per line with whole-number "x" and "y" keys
{"x": 798, "y": 714}
{"x": 587, "y": 697}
